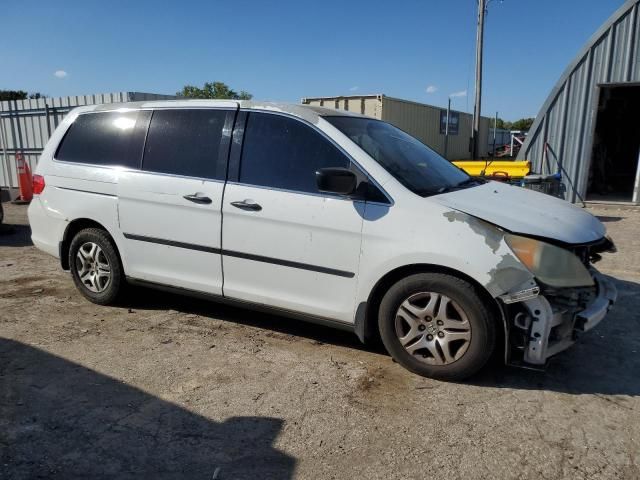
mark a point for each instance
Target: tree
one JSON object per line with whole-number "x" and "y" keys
{"x": 18, "y": 95}
{"x": 215, "y": 90}
{"x": 501, "y": 124}
{"x": 522, "y": 124}
{"x": 13, "y": 94}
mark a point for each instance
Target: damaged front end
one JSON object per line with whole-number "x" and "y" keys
{"x": 567, "y": 297}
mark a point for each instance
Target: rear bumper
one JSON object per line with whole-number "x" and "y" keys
{"x": 550, "y": 327}
{"x": 46, "y": 230}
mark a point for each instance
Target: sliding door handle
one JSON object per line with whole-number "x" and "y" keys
{"x": 195, "y": 198}
{"x": 247, "y": 205}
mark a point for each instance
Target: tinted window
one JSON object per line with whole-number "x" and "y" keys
{"x": 411, "y": 162}
{"x": 109, "y": 138}
{"x": 185, "y": 142}
{"x": 281, "y": 152}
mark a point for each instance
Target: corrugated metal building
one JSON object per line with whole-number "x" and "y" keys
{"x": 26, "y": 125}
{"x": 418, "y": 119}
{"x": 588, "y": 129}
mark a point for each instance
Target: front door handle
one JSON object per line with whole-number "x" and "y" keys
{"x": 247, "y": 205}
{"x": 195, "y": 198}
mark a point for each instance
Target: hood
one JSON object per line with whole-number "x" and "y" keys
{"x": 525, "y": 212}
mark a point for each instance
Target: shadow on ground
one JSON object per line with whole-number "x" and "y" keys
{"x": 605, "y": 360}
{"x": 605, "y": 218}
{"x": 59, "y": 419}
{"x": 148, "y": 299}
{"x": 15, "y": 235}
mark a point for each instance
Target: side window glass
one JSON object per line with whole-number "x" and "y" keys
{"x": 185, "y": 142}
{"x": 282, "y": 152}
{"x": 107, "y": 138}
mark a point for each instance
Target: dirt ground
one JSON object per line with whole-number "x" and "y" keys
{"x": 166, "y": 387}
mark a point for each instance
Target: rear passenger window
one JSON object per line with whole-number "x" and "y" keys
{"x": 282, "y": 152}
{"x": 108, "y": 138}
{"x": 185, "y": 142}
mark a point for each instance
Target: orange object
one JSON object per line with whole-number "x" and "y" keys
{"x": 24, "y": 178}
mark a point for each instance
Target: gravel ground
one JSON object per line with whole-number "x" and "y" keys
{"x": 167, "y": 386}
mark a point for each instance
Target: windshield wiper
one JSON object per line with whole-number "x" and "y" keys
{"x": 427, "y": 192}
{"x": 469, "y": 182}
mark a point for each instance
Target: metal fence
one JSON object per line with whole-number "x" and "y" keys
{"x": 502, "y": 137}
{"x": 26, "y": 125}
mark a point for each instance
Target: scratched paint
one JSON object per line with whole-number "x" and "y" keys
{"x": 508, "y": 272}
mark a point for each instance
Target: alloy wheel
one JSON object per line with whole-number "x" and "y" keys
{"x": 93, "y": 267}
{"x": 433, "y": 328}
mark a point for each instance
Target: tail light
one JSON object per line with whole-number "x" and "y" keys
{"x": 38, "y": 184}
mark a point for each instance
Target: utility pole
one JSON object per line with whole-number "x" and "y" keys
{"x": 475, "y": 131}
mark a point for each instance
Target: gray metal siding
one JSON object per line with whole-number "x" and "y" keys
{"x": 423, "y": 122}
{"x": 566, "y": 121}
{"x": 26, "y": 125}
{"x": 503, "y": 137}
{"x": 420, "y": 121}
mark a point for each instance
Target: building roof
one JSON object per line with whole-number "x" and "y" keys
{"x": 381, "y": 97}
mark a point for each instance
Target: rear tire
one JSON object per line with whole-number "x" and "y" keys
{"x": 95, "y": 266}
{"x": 437, "y": 326}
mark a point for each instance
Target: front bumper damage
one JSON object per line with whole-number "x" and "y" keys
{"x": 541, "y": 327}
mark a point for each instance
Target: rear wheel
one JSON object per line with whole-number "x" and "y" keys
{"x": 95, "y": 266}
{"x": 437, "y": 326}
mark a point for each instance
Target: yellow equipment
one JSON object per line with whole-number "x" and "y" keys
{"x": 495, "y": 168}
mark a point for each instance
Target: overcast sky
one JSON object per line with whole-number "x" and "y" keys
{"x": 421, "y": 50}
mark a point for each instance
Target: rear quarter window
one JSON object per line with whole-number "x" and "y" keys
{"x": 106, "y": 138}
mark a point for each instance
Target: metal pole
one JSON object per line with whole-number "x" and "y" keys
{"x": 46, "y": 110}
{"x": 475, "y": 131}
{"x": 446, "y": 131}
{"x": 6, "y": 173}
{"x": 495, "y": 130}
{"x": 511, "y": 150}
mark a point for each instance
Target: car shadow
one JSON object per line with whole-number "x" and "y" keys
{"x": 604, "y": 361}
{"x": 15, "y": 235}
{"x": 61, "y": 420}
{"x": 605, "y": 218}
{"x": 149, "y": 299}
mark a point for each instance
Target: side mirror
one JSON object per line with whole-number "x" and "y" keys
{"x": 336, "y": 180}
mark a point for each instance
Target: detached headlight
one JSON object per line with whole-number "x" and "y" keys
{"x": 552, "y": 265}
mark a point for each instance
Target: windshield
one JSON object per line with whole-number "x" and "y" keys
{"x": 411, "y": 162}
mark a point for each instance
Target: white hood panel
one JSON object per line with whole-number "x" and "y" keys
{"x": 526, "y": 212}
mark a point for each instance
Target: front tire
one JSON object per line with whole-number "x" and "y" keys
{"x": 95, "y": 266}
{"x": 437, "y": 326}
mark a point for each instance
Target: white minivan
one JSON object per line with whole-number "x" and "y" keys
{"x": 322, "y": 215}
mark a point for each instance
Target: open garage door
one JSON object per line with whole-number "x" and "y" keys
{"x": 614, "y": 175}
